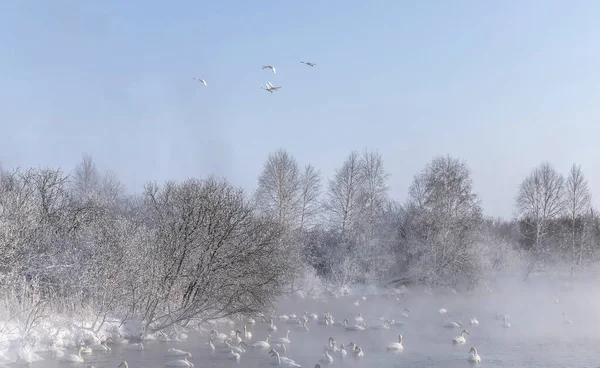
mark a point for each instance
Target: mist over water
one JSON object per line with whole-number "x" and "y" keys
{"x": 538, "y": 336}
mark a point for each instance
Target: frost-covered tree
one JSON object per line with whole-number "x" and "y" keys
{"x": 577, "y": 203}
{"x": 280, "y": 189}
{"x": 210, "y": 256}
{"x": 310, "y": 205}
{"x": 539, "y": 202}
{"x": 373, "y": 191}
{"x": 445, "y": 219}
{"x": 344, "y": 194}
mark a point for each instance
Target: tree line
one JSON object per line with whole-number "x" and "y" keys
{"x": 203, "y": 249}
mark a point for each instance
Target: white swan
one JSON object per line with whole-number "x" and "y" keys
{"x": 460, "y": 339}
{"x": 272, "y": 327}
{"x": 302, "y": 327}
{"x": 405, "y": 312}
{"x": 232, "y": 355}
{"x": 74, "y": 358}
{"x": 86, "y": 350}
{"x": 359, "y": 317}
{"x": 342, "y": 351}
{"x": 358, "y": 352}
{"x": 473, "y": 356}
{"x": 238, "y": 349}
{"x": 453, "y": 324}
{"x": 269, "y": 67}
{"x": 474, "y": 321}
{"x": 247, "y": 334}
{"x": 356, "y": 303}
{"x": 505, "y": 322}
{"x": 443, "y": 311}
{"x": 219, "y": 336}
{"x": 285, "y": 362}
{"x": 312, "y": 316}
{"x": 176, "y": 352}
{"x": 262, "y": 344}
{"x": 181, "y": 362}
{"x": 396, "y": 345}
{"x": 352, "y": 327}
{"x": 274, "y": 352}
{"x": 385, "y": 326}
{"x": 100, "y": 347}
{"x": 200, "y": 80}
{"x": 123, "y": 364}
{"x": 283, "y": 340}
{"x": 326, "y": 358}
{"x": 566, "y": 320}
{"x": 209, "y": 345}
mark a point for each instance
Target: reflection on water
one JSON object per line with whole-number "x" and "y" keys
{"x": 537, "y": 338}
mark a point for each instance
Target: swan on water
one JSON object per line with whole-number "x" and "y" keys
{"x": 286, "y": 362}
{"x": 358, "y": 352}
{"x": 181, "y": 362}
{"x": 396, "y": 345}
{"x": 453, "y": 324}
{"x": 505, "y": 322}
{"x": 100, "y": 347}
{"x": 473, "y": 356}
{"x": 262, "y": 344}
{"x": 176, "y": 352}
{"x": 74, "y": 358}
{"x": 326, "y": 358}
{"x": 443, "y": 311}
{"x": 272, "y": 327}
{"x": 247, "y": 334}
{"x": 123, "y": 364}
{"x": 352, "y": 327}
{"x": 474, "y": 321}
{"x": 283, "y": 340}
{"x": 460, "y": 339}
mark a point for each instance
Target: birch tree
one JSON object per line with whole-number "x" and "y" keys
{"x": 540, "y": 200}
{"x": 279, "y": 193}
{"x": 309, "y": 197}
{"x": 343, "y": 195}
{"x": 577, "y": 203}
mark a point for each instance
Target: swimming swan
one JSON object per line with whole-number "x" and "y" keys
{"x": 473, "y": 356}
{"x": 460, "y": 339}
{"x": 397, "y": 346}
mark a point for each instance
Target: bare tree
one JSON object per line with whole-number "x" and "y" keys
{"x": 279, "y": 192}
{"x": 86, "y": 178}
{"x": 343, "y": 196}
{"x": 311, "y": 189}
{"x": 577, "y": 204}
{"x": 540, "y": 200}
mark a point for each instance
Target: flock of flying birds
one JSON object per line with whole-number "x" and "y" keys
{"x": 269, "y": 87}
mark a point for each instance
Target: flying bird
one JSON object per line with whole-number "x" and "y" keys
{"x": 200, "y": 80}
{"x": 269, "y": 67}
{"x": 270, "y": 87}
{"x": 307, "y": 63}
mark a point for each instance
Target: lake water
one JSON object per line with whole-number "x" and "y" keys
{"x": 538, "y": 336}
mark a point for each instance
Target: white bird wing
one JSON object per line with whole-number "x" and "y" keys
{"x": 273, "y": 68}
{"x": 270, "y": 85}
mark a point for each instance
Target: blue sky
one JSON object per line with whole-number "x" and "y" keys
{"x": 503, "y": 85}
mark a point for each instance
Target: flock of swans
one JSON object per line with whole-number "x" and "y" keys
{"x": 238, "y": 341}
{"x": 269, "y": 87}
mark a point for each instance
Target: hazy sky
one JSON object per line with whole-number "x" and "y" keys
{"x": 503, "y": 85}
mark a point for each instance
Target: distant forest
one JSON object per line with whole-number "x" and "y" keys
{"x": 204, "y": 249}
